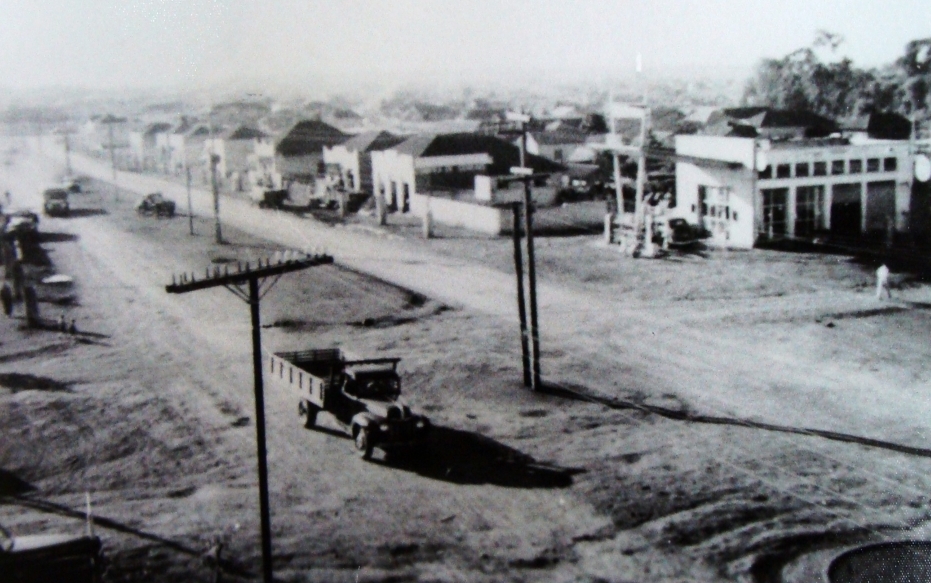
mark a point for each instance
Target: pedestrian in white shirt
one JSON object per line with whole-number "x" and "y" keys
{"x": 882, "y": 282}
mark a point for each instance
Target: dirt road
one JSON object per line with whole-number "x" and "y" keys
{"x": 659, "y": 350}
{"x": 516, "y": 487}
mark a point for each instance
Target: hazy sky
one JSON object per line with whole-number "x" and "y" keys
{"x": 195, "y": 43}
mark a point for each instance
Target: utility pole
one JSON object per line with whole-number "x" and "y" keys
{"x": 521, "y": 305}
{"x": 190, "y": 209}
{"x": 525, "y": 175}
{"x": 259, "y": 280}
{"x": 112, "y": 150}
{"x": 67, "y": 153}
{"x": 214, "y": 160}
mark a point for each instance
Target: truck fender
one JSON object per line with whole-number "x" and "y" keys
{"x": 362, "y": 420}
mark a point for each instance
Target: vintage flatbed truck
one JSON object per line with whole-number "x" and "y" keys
{"x": 362, "y": 395}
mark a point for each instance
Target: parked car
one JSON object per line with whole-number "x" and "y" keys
{"x": 156, "y": 204}
{"x": 56, "y": 202}
{"x": 21, "y": 223}
{"x": 273, "y": 199}
{"x": 50, "y": 557}
{"x": 683, "y": 234}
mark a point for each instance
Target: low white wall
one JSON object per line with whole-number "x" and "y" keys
{"x": 580, "y": 215}
{"x": 484, "y": 219}
{"x": 499, "y": 220}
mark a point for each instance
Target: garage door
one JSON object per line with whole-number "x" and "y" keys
{"x": 880, "y": 204}
{"x": 846, "y": 209}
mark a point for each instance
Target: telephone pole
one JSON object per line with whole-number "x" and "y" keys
{"x": 110, "y": 120}
{"x": 67, "y": 153}
{"x": 190, "y": 208}
{"x": 214, "y": 160}
{"x": 525, "y": 174}
{"x": 258, "y": 279}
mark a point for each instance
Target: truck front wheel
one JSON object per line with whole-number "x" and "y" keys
{"x": 363, "y": 442}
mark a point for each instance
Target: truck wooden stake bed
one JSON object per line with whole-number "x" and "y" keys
{"x": 363, "y": 396}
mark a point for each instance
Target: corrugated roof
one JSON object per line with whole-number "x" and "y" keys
{"x": 504, "y": 154}
{"x": 183, "y": 127}
{"x": 245, "y": 133}
{"x": 110, "y": 118}
{"x": 415, "y": 145}
{"x": 884, "y": 126}
{"x": 372, "y": 141}
{"x": 309, "y": 137}
{"x": 562, "y": 135}
{"x": 157, "y": 128}
{"x": 765, "y": 117}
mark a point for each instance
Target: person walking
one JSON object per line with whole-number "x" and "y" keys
{"x": 882, "y": 282}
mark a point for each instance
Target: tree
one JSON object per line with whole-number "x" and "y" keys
{"x": 801, "y": 81}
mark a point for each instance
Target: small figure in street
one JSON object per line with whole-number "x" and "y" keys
{"x": 6, "y": 297}
{"x": 73, "y": 328}
{"x": 882, "y": 282}
{"x": 62, "y": 327}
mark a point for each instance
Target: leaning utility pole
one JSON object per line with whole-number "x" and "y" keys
{"x": 254, "y": 278}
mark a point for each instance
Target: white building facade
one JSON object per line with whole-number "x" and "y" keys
{"x": 743, "y": 190}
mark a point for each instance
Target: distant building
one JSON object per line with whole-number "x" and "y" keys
{"x": 246, "y": 155}
{"x": 190, "y": 146}
{"x": 558, "y": 145}
{"x": 743, "y": 190}
{"x": 299, "y": 154}
{"x": 97, "y": 132}
{"x": 766, "y": 122}
{"x": 143, "y": 145}
{"x": 352, "y": 160}
{"x": 880, "y": 126}
{"x": 171, "y": 146}
{"x": 438, "y": 162}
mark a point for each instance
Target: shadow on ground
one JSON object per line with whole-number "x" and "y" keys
{"x": 13, "y": 485}
{"x": 45, "y": 237}
{"x": 692, "y": 417}
{"x": 82, "y": 213}
{"x": 463, "y": 457}
{"x": 18, "y": 382}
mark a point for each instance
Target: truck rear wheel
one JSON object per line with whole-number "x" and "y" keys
{"x": 309, "y": 412}
{"x": 363, "y": 441}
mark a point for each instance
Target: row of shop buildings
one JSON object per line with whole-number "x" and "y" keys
{"x": 754, "y": 174}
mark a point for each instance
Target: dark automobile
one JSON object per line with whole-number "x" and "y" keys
{"x": 156, "y": 204}
{"x": 55, "y": 202}
{"x": 682, "y": 234}
{"x": 21, "y": 224}
{"x": 51, "y": 557}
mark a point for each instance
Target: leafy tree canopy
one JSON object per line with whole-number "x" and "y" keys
{"x": 802, "y": 80}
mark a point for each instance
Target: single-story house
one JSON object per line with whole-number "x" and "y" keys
{"x": 445, "y": 162}
{"x": 299, "y": 154}
{"x": 246, "y": 154}
{"x": 143, "y": 145}
{"x": 352, "y": 160}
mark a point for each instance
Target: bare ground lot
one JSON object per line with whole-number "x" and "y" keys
{"x": 150, "y": 408}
